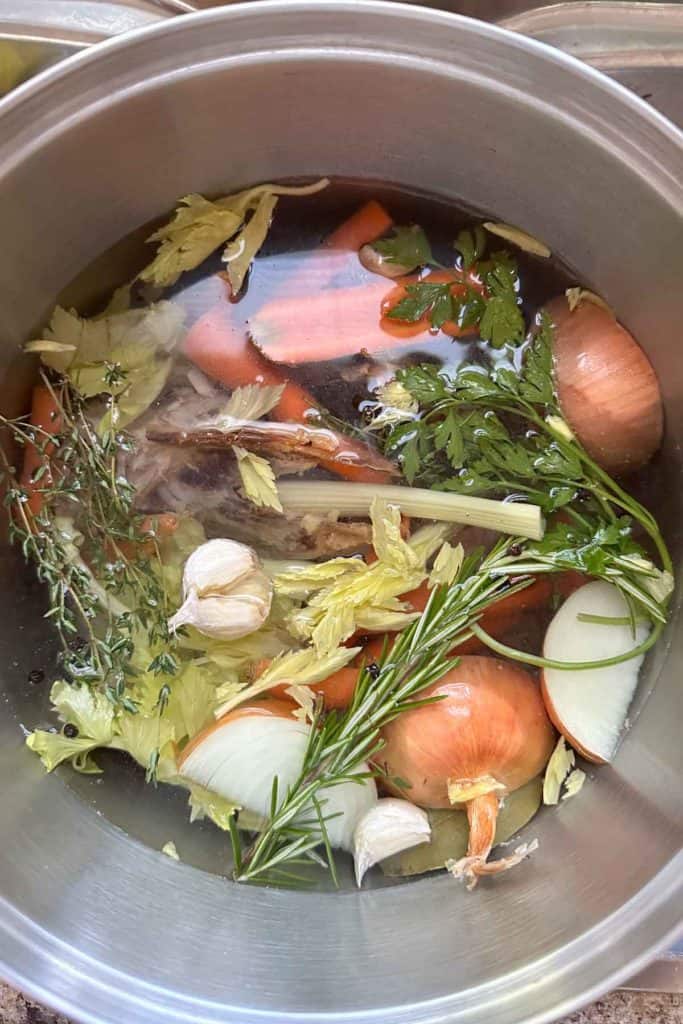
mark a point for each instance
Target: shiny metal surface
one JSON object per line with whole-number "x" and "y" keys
{"x": 92, "y": 919}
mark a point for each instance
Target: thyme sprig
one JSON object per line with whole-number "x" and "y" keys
{"x": 88, "y": 544}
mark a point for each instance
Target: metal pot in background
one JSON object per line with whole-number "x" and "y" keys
{"x": 92, "y": 919}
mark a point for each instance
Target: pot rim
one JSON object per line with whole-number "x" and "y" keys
{"x": 650, "y": 913}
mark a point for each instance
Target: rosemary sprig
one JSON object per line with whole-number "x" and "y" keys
{"x": 88, "y": 545}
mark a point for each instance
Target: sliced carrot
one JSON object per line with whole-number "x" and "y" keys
{"x": 408, "y": 329}
{"x": 45, "y": 415}
{"x": 218, "y": 347}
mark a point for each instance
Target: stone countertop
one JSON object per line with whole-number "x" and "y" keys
{"x": 618, "y": 1008}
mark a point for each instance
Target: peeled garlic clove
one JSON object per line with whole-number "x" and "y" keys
{"x": 390, "y": 827}
{"x": 226, "y": 595}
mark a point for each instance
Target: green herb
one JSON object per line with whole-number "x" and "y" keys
{"x": 439, "y": 303}
{"x": 81, "y": 543}
{"x": 502, "y": 322}
{"x": 499, "y": 432}
{"x": 492, "y": 308}
{"x": 471, "y": 245}
{"x": 200, "y": 226}
{"x": 408, "y": 247}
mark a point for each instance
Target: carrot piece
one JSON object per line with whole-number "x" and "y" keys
{"x": 339, "y": 322}
{"x": 365, "y": 225}
{"x": 217, "y": 346}
{"x": 45, "y": 415}
{"x": 406, "y": 329}
{"x": 498, "y": 618}
{"x": 337, "y": 690}
{"x": 326, "y": 325}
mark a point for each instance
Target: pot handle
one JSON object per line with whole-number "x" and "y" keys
{"x": 608, "y": 34}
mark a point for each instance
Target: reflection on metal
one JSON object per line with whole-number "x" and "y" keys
{"x": 609, "y": 34}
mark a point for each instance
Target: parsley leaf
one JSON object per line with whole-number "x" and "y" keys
{"x": 409, "y": 247}
{"x": 495, "y": 312}
{"x": 471, "y": 245}
{"x": 441, "y": 302}
{"x": 536, "y": 382}
{"x": 410, "y": 458}
{"x": 448, "y": 435}
{"x": 420, "y": 299}
{"x": 502, "y": 322}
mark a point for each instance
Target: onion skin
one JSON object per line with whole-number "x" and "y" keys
{"x": 491, "y": 726}
{"x": 606, "y": 386}
{"x": 492, "y": 721}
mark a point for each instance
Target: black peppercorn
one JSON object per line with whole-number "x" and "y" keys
{"x": 36, "y": 676}
{"x": 373, "y": 670}
{"x": 514, "y": 550}
{"x": 70, "y": 731}
{"x": 583, "y": 495}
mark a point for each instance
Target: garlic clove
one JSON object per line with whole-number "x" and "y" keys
{"x": 223, "y": 618}
{"x": 390, "y": 827}
{"x": 217, "y": 566}
{"x": 226, "y": 594}
{"x": 345, "y": 805}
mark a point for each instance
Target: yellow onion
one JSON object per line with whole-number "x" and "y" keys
{"x": 606, "y": 386}
{"x": 487, "y": 736}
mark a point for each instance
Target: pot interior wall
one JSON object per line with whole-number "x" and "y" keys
{"x": 235, "y": 98}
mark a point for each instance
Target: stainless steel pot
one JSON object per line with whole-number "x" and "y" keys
{"x": 92, "y": 919}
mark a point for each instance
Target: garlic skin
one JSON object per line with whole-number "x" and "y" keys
{"x": 226, "y": 594}
{"x": 389, "y": 827}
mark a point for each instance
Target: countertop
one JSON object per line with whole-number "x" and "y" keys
{"x": 618, "y": 1008}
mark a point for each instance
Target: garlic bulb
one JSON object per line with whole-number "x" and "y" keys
{"x": 226, "y": 594}
{"x": 389, "y": 827}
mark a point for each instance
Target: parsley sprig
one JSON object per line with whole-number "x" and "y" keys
{"x": 498, "y": 431}
{"x": 482, "y": 293}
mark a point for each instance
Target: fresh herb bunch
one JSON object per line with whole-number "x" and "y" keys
{"x": 89, "y": 546}
{"x": 499, "y": 431}
{"x": 484, "y": 293}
